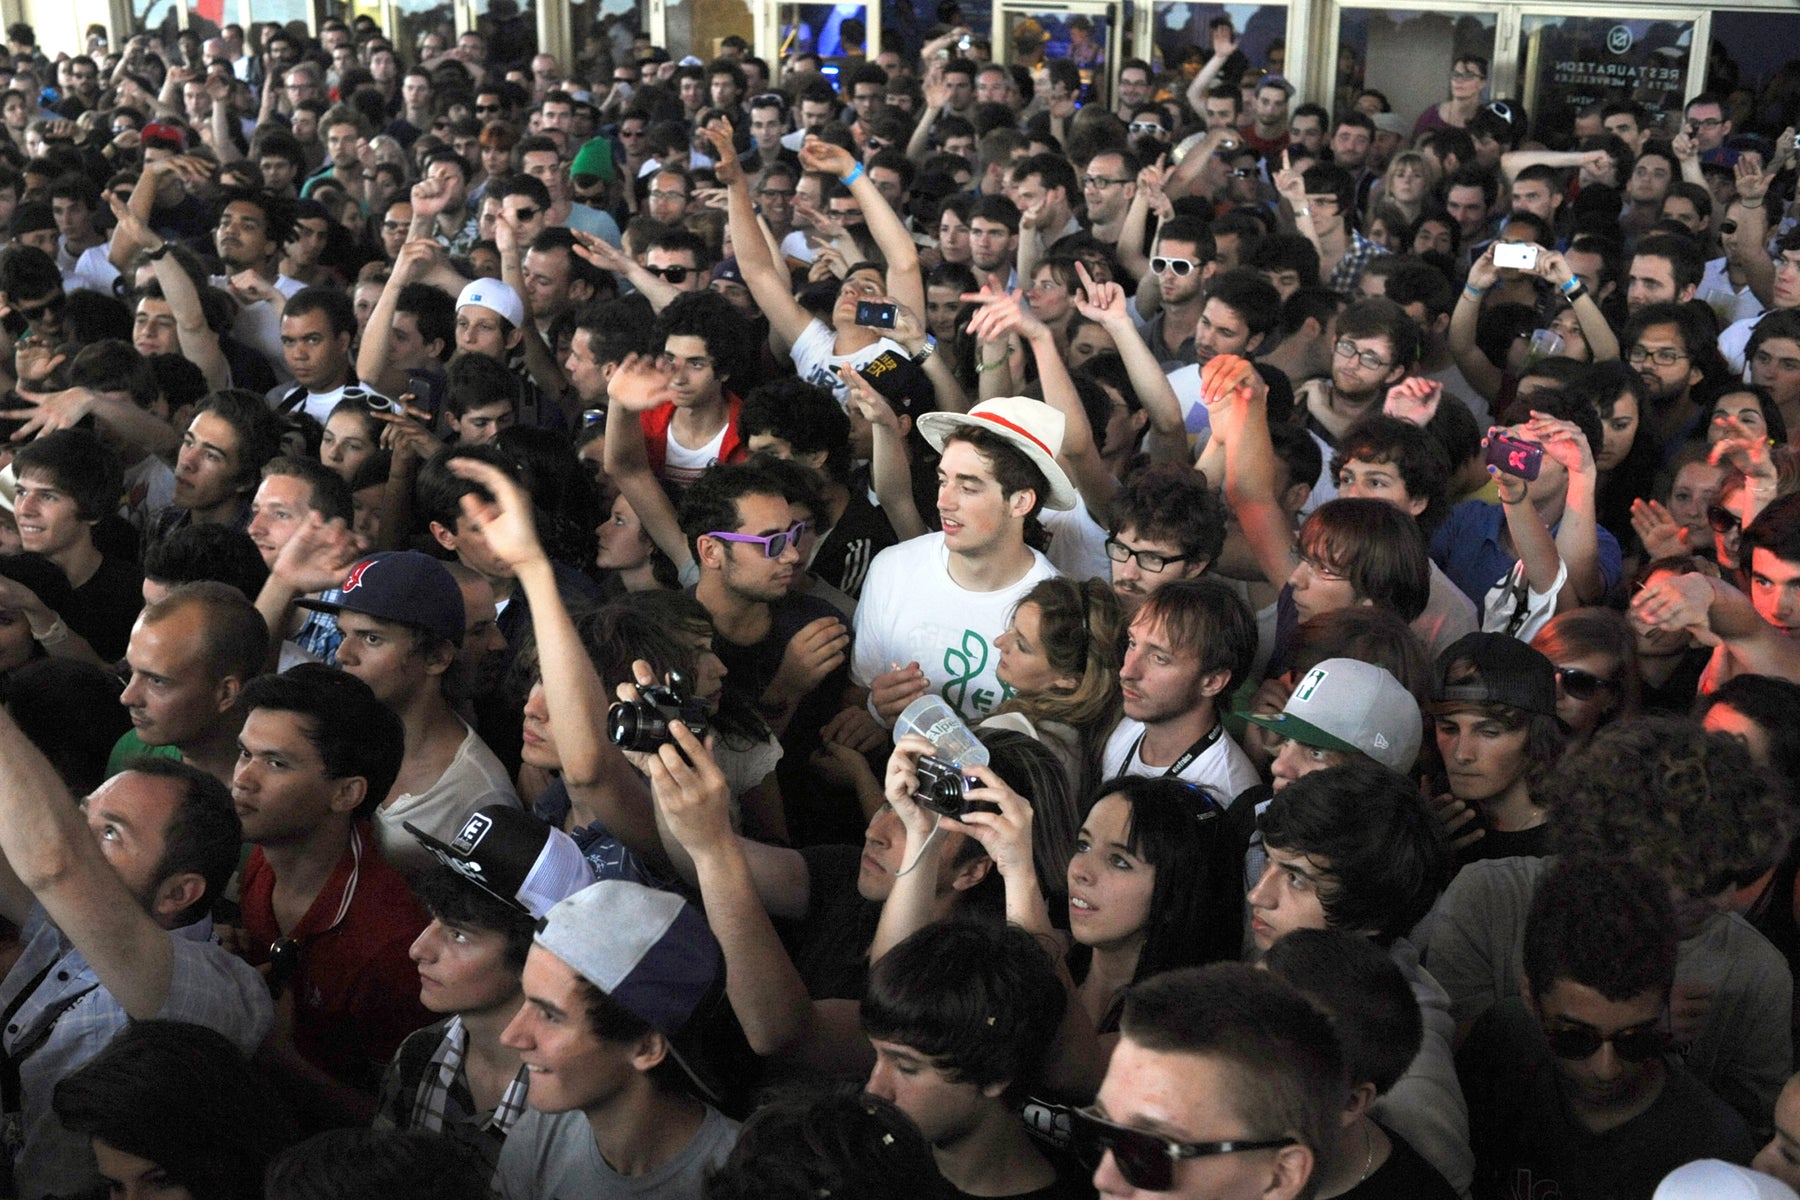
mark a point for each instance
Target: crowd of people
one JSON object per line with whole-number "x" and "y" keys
{"x": 899, "y": 627}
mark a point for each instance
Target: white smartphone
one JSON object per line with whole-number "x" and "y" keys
{"x": 1520, "y": 256}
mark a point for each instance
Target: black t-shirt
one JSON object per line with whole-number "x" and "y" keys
{"x": 830, "y": 945}
{"x": 1404, "y": 1176}
{"x": 844, "y": 556}
{"x": 106, "y": 605}
{"x": 1527, "y": 1143}
{"x": 1518, "y": 843}
{"x": 1072, "y": 1182}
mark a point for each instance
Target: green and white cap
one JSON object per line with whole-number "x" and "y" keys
{"x": 1348, "y": 704}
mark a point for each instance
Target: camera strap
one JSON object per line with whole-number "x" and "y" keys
{"x": 1187, "y": 756}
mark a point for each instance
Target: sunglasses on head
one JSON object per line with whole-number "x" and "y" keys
{"x": 1180, "y": 266}
{"x": 1639, "y": 1044}
{"x": 672, "y": 274}
{"x": 1723, "y": 520}
{"x": 774, "y": 544}
{"x": 1146, "y": 1160}
{"x": 1581, "y": 685}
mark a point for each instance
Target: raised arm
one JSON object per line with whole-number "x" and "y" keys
{"x": 1515, "y": 161}
{"x": 1107, "y": 304}
{"x": 52, "y": 853}
{"x": 597, "y": 774}
{"x": 374, "y": 362}
{"x": 1603, "y": 343}
{"x": 540, "y": 360}
{"x": 1718, "y": 614}
{"x": 1147, "y": 201}
{"x": 1753, "y": 194}
{"x": 905, "y": 282}
{"x": 1530, "y": 536}
{"x": 888, "y": 465}
{"x": 1484, "y": 376}
{"x": 1236, "y": 400}
{"x": 1578, "y": 533}
{"x": 639, "y": 384}
{"x": 764, "y": 273}
{"x": 1224, "y": 45}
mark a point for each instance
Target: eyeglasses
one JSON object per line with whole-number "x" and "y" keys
{"x": 673, "y": 275}
{"x": 667, "y": 195}
{"x": 1323, "y": 569}
{"x": 1467, "y": 75}
{"x": 774, "y": 544}
{"x": 1723, "y": 520}
{"x": 878, "y": 145}
{"x": 1146, "y": 127}
{"x": 1707, "y": 122}
{"x": 632, "y": 135}
{"x": 1369, "y": 360}
{"x": 1099, "y": 183}
{"x": 1146, "y": 1160}
{"x": 1148, "y": 560}
{"x": 1180, "y": 267}
{"x": 1640, "y": 1043}
{"x": 1662, "y": 356}
{"x": 38, "y": 312}
{"x": 776, "y": 193}
{"x": 1582, "y": 685}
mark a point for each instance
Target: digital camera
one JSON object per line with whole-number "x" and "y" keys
{"x": 646, "y": 723}
{"x": 944, "y": 790}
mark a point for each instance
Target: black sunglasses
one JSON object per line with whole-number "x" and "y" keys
{"x": 672, "y": 274}
{"x": 527, "y": 214}
{"x": 1582, "y": 685}
{"x": 37, "y": 312}
{"x": 1723, "y": 520}
{"x": 1145, "y": 1160}
{"x": 1639, "y": 1044}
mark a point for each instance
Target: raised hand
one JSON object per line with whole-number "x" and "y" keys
{"x": 639, "y": 384}
{"x": 429, "y": 197}
{"x": 600, "y": 253}
{"x": 1563, "y": 442}
{"x": 1224, "y": 41}
{"x": 1676, "y": 602}
{"x": 1227, "y": 380}
{"x": 318, "y": 556}
{"x": 901, "y": 785}
{"x": 726, "y": 167}
{"x": 1656, "y": 527}
{"x": 870, "y": 403}
{"x": 1001, "y": 314}
{"x": 1104, "y": 303}
{"x": 1483, "y": 274}
{"x": 34, "y": 359}
{"x": 51, "y": 411}
{"x": 690, "y": 791}
{"x": 1414, "y": 399}
{"x": 817, "y": 154}
{"x": 248, "y": 288}
{"x": 891, "y": 691}
{"x": 811, "y": 655}
{"x": 506, "y": 522}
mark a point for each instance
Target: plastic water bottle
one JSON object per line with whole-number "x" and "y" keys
{"x": 932, "y": 718}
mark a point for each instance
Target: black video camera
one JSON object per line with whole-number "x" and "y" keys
{"x": 646, "y": 723}
{"x": 944, "y": 790}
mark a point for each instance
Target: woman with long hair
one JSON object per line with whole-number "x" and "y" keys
{"x": 1059, "y": 657}
{"x": 1595, "y": 655}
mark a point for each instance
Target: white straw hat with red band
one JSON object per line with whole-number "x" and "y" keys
{"x": 1031, "y": 425}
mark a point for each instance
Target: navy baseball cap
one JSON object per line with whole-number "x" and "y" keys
{"x": 403, "y": 586}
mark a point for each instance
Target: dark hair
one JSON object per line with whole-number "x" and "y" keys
{"x": 203, "y": 834}
{"x": 1206, "y": 618}
{"x": 1284, "y": 1069}
{"x": 1172, "y": 503}
{"x": 1413, "y": 282}
{"x": 1197, "y": 902}
{"x": 1420, "y": 461}
{"x": 438, "y": 491}
{"x": 1687, "y": 262}
{"x": 432, "y": 310}
{"x": 1377, "y": 316}
{"x": 1771, "y": 703}
{"x": 185, "y": 1098}
{"x": 711, "y": 504}
{"x": 1387, "y": 853}
{"x": 257, "y": 427}
{"x": 1324, "y": 177}
{"x": 200, "y": 552}
{"x": 981, "y": 1001}
{"x": 71, "y": 712}
{"x": 79, "y": 464}
{"x": 114, "y": 365}
{"x": 477, "y": 381}
{"x": 1251, "y": 296}
{"x": 333, "y": 302}
{"x": 450, "y": 898}
{"x": 1605, "y": 923}
{"x": 353, "y": 1164}
{"x": 840, "y": 1143}
{"x": 1378, "y": 548}
{"x": 356, "y": 735}
{"x": 277, "y": 212}
{"x": 1775, "y": 529}
{"x": 728, "y": 337}
{"x": 1691, "y": 806}
{"x": 1190, "y": 229}
{"x": 1367, "y": 997}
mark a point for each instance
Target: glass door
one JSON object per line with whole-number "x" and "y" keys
{"x": 1406, "y": 54}
{"x": 1178, "y": 34}
{"x": 1030, "y": 33}
{"x": 697, "y": 27}
{"x": 1567, "y": 63}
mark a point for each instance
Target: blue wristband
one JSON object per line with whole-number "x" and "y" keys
{"x": 855, "y": 174}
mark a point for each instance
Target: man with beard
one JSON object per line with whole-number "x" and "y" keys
{"x": 252, "y": 229}
{"x": 1377, "y": 344}
{"x": 1167, "y": 524}
{"x": 1669, "y": 345}
{"x": 1109, "y": 187}
{"x": 1183, "y": 263}
{"x": 994, "y": 242}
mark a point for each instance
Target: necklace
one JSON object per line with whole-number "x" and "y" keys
{"x": 1369, "y": 1160}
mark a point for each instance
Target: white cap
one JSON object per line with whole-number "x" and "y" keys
{"x": 1712, "y": 1179}
{"x": 494, "y": 295}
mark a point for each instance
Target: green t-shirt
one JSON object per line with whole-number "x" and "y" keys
{"x": 130, "y": 746}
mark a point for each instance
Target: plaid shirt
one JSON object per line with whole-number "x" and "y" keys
{"x": 431, "y": 1091}
{"x": 1349, "y": 271}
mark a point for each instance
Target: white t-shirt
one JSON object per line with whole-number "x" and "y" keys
{"x": 814, "y": 356}
{"x": 90, "y": 270}
{"x": 794, "y": 246}
{"x": 1222, "y": 767}
{"x": 317, "y": 405}
{"x": 683, "y": 466}
{"x": 912, "y": 611}
{"x": 1718, "y": 277}
{"x": 258, "y": 326}
{"x": 1734, "y": 344}
{"x": 1077, "y": 542}
{"x": 473, "y": 779}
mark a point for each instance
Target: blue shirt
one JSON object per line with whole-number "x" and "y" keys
{"x": 1467, "y": 548}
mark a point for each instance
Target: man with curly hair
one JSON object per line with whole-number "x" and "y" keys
{"x": 1571, "y": 1087}
{"x": 1694, "y": 809}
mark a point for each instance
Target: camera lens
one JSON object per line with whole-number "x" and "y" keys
{"x": 636, "y": 727}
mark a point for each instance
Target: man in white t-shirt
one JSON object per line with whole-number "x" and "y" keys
{"x": 932, "y": 606}
{"x": 1190, "y": 643}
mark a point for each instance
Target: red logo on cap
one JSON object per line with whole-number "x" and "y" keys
{"x": 353, "y": 580}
